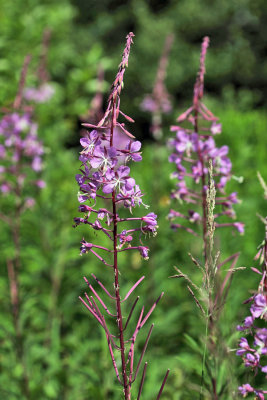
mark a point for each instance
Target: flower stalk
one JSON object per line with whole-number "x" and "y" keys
{"x": 202, "y": 172}
{"x": 21, "y": 156}
{"x": 105, "y": 175}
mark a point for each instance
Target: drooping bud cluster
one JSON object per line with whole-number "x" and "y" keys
{"x": 193, "y": 147}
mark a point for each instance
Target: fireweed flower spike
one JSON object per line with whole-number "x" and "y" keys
{"x": 21, "y": 150}
{"x": 202, "y": 171}
{"x": 192, "y": 150}
{"x": 105, "y": 175}
{"x": 158, "y": 102}
{"x": 254, "y": 349}
{"x": 21, "y": 163}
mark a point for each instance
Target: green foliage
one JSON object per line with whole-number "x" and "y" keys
{"x": 66, "y": 354}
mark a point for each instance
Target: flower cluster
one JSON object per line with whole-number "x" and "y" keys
{"x": 42, "y": 94}
{"x": 20, "y": 149}
{"x": 192, "y": 150}
{"x": 106, "y": 151}
{"x": 20, "y": 152}
{"x": 247, "y": 388}
{"x": 254, "y": 350}
{"x": 102, "y": 174}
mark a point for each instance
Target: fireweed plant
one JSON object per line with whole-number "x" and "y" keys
{"x": 21, "y": 154}
{"x": 105, "y": 176}
{"x": 253, "y": 347}
{"x": 202, "y": 170}
{"x": 158, "y": 102}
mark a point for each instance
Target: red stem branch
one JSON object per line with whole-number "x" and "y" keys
{"x": 127, "y": 394}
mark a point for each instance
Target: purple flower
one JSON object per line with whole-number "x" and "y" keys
{"x": 193, "y": 147}
{"x": 197, "y": 171}
{"x": 259, "y": 394}
{"x": 132, "y": 198}
{"x": 85, "y": 247}
{"x": 259, "y": 307}
{"x": 148, "y": 104}
{"x": 182, "y": 190}
{"x": 124, "y": 238}
{"x": 150, "y": 219}
{"x": 40, "y": 184}
{"x": 103, "y": 158}
{"x": 245, "y": 389}
{"x": 119, "y": 179}
{"x": 173, "y": 214}
{"x": 260, "y": 340}
{"x": 132, "y": 151}
{"x": 239, "y": 226}
{"x": 89, "y": 143}
{"x": 216, "y": 128}
{"x": 233, "y": 197}
{"x": 185, "y": 142}
{"x": 37, "y": 164}
{"x": 144, "y": 252}
{"x": 29, "y": 202}
{"x": 5, "y": 188}
{"x": 39, "y": 95}
{"x": 248, "y": 322}
{"x": 251, "y": 360}
{"x": 244, "y": 344}
{"x": 194, "y": 216}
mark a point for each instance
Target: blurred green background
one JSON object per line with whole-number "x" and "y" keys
{"x": 66, "y": 353}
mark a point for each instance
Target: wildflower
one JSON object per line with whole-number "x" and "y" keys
{"x": 239, "y": 226}
{"x": 192, "y": 149}
{"x": 103, "y": 158}
{"x": 21, "y": 153}
{"x": 119, "y": 179}
{"x": 42, "y": 94}
{"x": 144, "y": 252}
{"x": 105, "y": 175}
{"x": 89, "y": 143}
{"x": 245, "y": 389}
{"x": 259, "y": 307}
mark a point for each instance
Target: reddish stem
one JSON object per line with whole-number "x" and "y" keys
{"x": 265, "y": 260}
{"x": 214, "y": 388}
{"x": 18, "y": 99}
{"x": 42, "y": 69}
{"x": 127, "y": 394}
